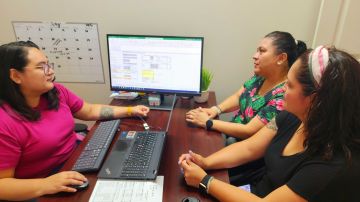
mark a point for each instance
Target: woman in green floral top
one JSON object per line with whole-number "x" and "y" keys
{"x": 261, "y": 96}
{"x": 251, "y": 102}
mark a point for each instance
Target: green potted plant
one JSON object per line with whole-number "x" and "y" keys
{"x": 206, "y": 78}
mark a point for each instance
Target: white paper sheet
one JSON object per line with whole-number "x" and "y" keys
{"x": 128, "y": 190}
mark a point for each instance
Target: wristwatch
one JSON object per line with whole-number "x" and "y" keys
{"x": 209, "y": 124}
{"x": 204, "y": 184}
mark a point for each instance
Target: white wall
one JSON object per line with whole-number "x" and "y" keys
{"x": 232, "y": 29}
{"x": 338, "y": 24}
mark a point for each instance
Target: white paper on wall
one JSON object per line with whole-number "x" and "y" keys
{"x": 74, "y": 48}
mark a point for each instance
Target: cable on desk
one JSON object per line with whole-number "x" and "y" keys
{"x": 140, "y": 125}
{"x": 145, "y": 125}
{"x": 172, "y": 109}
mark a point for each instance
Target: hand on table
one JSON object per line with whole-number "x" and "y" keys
{"x": 140, "y": 110}
{"x": 193, "y": 173}
{"x": 196, "y": 158}
{"x": 198, "y": 117}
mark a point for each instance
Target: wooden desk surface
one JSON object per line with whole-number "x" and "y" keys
{"x": 181, "y": 138}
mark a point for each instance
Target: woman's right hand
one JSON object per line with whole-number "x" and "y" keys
{"x": 195, "y": 158}
{"x": 61, "y": 182}
{"x": 140, "y": 110}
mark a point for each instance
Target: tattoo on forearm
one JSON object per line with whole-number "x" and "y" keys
{"x": 106, "y": 113}
{"x": 272, "y": 125}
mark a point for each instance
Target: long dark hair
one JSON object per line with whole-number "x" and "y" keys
{"x": 333, "y": 121}
{"x": 284, "y": 42}
{"x": 14, "y": 55}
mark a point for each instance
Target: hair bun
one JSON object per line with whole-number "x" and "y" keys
{"x": 301, "y": 47}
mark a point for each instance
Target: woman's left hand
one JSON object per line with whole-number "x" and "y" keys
{"x": 197, "y": 117}
{"x": 193, "y": 173}
{"x": 140, "y": 110}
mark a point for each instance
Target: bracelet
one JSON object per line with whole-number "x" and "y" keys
{"x": 218, "y": 110}
{"x": 208, "y": 184}
{"x": 129, "y": 111}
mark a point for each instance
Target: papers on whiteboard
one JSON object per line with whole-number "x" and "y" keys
{"x": 128, "y": 190}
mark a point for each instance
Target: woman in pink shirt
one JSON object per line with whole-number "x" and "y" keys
{"x": 36, "y": 124}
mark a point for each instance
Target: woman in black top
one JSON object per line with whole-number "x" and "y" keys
{"x": 311, "y": 150}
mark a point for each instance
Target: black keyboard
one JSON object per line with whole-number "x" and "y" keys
{"x": 137, "y": 163}
{"x": 136, "y": 155}
{"x": 94, "y": 153}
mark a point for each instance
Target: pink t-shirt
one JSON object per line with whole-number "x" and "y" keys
{"x": 35, "y": 148}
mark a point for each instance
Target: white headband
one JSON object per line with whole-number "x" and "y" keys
{"x": 318, "y": 61}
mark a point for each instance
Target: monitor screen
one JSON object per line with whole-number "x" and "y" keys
{"x": 155, "y": 64}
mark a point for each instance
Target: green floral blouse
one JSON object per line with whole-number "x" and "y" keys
{"x": 252, "y": 104}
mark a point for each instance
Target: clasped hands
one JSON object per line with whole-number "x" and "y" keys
{"x": 200, "y": 115}
{"x": 192, "y": 165}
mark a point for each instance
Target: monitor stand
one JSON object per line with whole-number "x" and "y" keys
{"x": 167, "y": 102}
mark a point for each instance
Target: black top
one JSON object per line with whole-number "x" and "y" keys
{"x": 312, "y": 178}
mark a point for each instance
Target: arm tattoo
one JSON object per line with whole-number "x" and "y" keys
{"x": 272, "y": 125}
{"x": 106, "y": 113}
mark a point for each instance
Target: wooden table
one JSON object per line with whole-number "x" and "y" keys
{"x": 181, "y": 138}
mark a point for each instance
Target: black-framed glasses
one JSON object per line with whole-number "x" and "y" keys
{"x": 46, "y": 67}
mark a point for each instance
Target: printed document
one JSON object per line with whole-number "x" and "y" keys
{"x": 128, "y": 190}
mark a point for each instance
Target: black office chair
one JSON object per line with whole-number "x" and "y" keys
{"x": 81, "y": 129}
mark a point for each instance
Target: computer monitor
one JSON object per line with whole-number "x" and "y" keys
{"x": 155, "y": 64}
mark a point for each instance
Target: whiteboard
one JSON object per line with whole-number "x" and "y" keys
{"x": 74, "y": 48}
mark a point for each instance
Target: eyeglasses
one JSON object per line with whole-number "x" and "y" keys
{"x": 46, "y": 67}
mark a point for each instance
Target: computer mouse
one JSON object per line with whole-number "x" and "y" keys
{"x": 81, "y": 187}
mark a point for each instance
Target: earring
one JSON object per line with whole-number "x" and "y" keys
{"x": 279, "y": 63}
